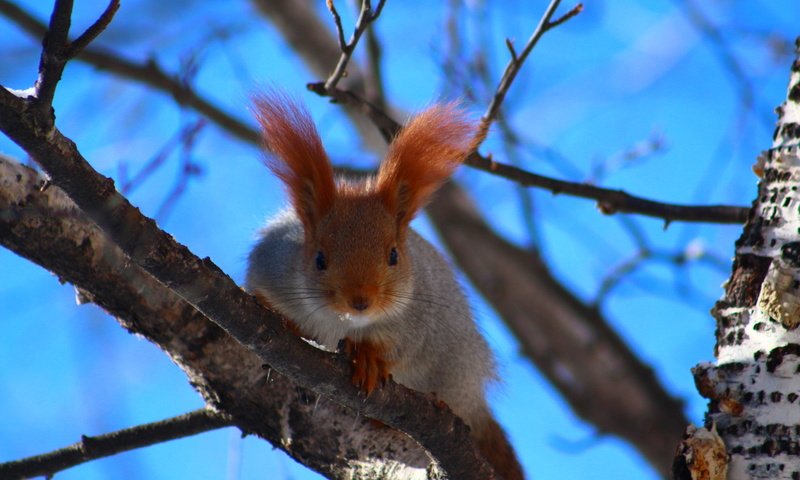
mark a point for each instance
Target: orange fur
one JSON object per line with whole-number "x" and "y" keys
{"x": 422, "y": 156}
{"x": 356, "y": 228}
{"x": 494, "y": 446}
{"x": 370, "y": 366}
{"x": 299, "y": 158}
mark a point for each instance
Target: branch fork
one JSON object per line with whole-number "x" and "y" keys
{"x": 365, "y": 18}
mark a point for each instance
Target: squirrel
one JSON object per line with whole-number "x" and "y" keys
{"x": 345, "y": 268}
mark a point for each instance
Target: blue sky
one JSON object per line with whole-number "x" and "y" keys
{"x": 619, "y": 75}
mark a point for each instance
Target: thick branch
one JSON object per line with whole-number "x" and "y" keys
{"x": 203, "y": 285}
{"x": 92, "y": 448}
{"x": 46, "y": 227}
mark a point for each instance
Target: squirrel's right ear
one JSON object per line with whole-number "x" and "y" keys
{"x": 298, "y": 157}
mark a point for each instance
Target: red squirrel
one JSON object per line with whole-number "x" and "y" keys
{"x": 343, "y": 264}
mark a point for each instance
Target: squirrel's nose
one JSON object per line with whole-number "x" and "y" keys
{"x": 359, "y": 303}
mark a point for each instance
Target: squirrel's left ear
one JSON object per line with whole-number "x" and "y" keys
{"x": 422, "y": 157}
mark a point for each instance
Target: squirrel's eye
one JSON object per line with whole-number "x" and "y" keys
{"x": 393, "y": 257}
{"x": 321, "y": 263}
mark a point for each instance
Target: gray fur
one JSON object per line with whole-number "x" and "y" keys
{"x": 439, "y": 348}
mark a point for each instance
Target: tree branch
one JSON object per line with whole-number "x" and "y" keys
{"x": 94, "y": 30}
{"x": 365, "y": 18}
{"x": 148, "y": 73}
{"x": 53, "y": 58}
{"x": 45, "y": 226}
{"x": 203, "y": 285}
{"x": 613, "y": 201}
{"x": 516, "y": 62}
{"x": 92, "y": 448}
{"x": 609, "y": 201}
{"x": 571, "y": 343}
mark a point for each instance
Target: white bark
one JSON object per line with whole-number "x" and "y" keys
{"x": 754, "y": 387}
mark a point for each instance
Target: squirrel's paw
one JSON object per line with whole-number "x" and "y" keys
{"x": 369, "y": 364}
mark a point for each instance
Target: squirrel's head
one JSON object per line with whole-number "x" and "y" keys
{"x": 355, "y": 257}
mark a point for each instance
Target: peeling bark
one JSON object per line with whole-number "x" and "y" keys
{"x": 754, "y": 387}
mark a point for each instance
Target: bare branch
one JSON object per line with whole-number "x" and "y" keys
{"x": 57, "y": 50}
{"x": 337, "y": 20}
{"x": 186, "y": 135}
{"x": 189, "y": 169}
{"x": 22, "y": 18}
{"x": 575, "y": 10}
{"x": 511, "y": 50}
{"x": 203, "y": 285}
{"x": 44, "y": 225}
{"x": 92, "y": 448}
{"x": 303, "y": 28}
{"x": 373, "y": 76}
{"x": 608, "y": 201}
{"x": 613, "y": 201}
{"x": 148, "y": 73}
{"x": 94, "y": 30}
{"x": 385, "y": 124}
{"x": 365, "y": 18}
{"x": 516, "y": 62}
{"x": 53, "y": 58}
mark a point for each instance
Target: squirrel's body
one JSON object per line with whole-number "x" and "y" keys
{"x": 343, "y": 265}
{"x": 434, "y": 317}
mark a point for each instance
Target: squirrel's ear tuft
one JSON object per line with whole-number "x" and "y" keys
{"x": 422, "y": 157}
{"x": 297, "y": 156}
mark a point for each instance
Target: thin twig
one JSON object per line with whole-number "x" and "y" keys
{"x": 57, "y": 51}
{"x": 148, "y": 73}
{"x": 187, "y": 131}
{"x": 94, "y": 30}
{"x": 189, "y": 169}
{"x": 365, "y": 18}
{"x": 575, "y": 10}
{"x": 612, "y": 201}
{"x": 511, "y": 50}
{"x": 337, "y": 20}
{"x": 373, "y": 78}
{"x": 517, "y": 60}
{"x": 92, "y": 448}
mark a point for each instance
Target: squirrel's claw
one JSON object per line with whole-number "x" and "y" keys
{"x": 370, "y": 366}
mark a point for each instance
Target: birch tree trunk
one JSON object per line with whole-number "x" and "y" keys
{"x": 754, "y": 387}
